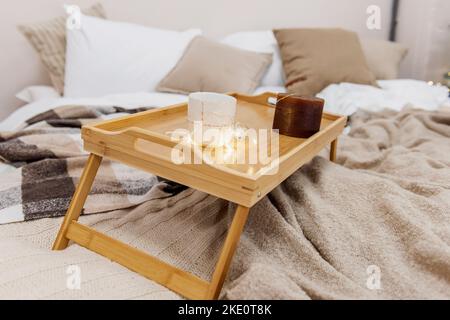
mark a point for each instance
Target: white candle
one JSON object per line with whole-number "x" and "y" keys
{"x": 212, "y": 109}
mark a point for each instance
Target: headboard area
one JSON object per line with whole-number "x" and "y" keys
{"x": 20, "y": 65}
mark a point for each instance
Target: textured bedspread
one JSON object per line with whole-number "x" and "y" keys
{"x": 49, "y": 159}
{"x": 377, "y": 225}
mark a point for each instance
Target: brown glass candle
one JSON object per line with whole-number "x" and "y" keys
{"x": 298, "y": 116}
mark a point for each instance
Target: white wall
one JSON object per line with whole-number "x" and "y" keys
{"x": 424, "y": 27}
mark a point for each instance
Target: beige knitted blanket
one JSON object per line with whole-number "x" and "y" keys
{"x": 375, "y": 226}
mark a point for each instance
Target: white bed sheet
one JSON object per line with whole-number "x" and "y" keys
{"x": 128, "y": 101}
{"x": 344, "y": 98}
{"x": 347, "y": 98}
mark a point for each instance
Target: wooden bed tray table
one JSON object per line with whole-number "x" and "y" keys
{"x": 141, "y": 140}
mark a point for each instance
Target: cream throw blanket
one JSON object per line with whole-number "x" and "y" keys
{"x": 375, "y": 226}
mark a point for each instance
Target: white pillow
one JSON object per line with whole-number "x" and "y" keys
{"x": 261, "y": 41}
{"x": 105, "y": 57}
{"x": 35, "y": 93}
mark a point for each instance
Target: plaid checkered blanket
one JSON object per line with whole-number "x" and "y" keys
{"x": 48, "y": 160}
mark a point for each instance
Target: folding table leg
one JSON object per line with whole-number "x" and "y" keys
{"x": 176, "y": 279}
{"x": 78, "y": 200}
{"x": 333, "y": 150}
{"x": 229, "y": 247}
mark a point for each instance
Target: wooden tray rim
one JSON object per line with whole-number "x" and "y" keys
{"x": 93, "y": 129}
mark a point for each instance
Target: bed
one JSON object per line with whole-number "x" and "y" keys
{"x": 374, "y": 226}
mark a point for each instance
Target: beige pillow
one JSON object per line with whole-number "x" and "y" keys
{"x": 49, "y": 40}
{"x": 215, "y": 67}
{"x": 316, "y": 58}
{"x": 383, "y": 57}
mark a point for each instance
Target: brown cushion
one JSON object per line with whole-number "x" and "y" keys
{"x": 215, "y": 67}
{"x": 316, "y": 58}
{"x": 383, "y": 57}
{"x": 49, "y": 40}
